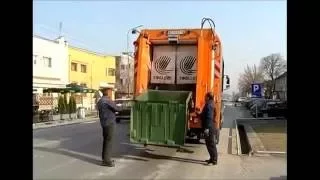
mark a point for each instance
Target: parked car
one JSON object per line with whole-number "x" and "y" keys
{"x": 251, "y": 102}
{"x": 125, "y": 109}
{"x": 241, "y": 99}
{"x": 256, "y": 107}
{"x": 276, "y": 109}
{"x": 262, "y": 106}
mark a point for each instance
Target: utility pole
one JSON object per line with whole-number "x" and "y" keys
{"x": 128, "y": 62}
{"x": 60, "y": 29}
{"x": 133, "y": 31}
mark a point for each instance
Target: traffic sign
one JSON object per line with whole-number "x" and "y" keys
{"x": 256, "y": 90}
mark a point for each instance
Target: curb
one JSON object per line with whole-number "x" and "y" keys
{"x": 61, "y": 123}
{"x": 234, "y": 147}
{"x": 239, "y": 152}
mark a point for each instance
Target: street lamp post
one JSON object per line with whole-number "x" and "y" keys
{"x": 133, "y": 31}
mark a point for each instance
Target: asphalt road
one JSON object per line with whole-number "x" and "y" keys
{"x": 74, "y": 151}
{"x": 231, "y": 113}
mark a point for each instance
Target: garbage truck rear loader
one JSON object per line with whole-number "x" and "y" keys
{"x": 182, "y": 60}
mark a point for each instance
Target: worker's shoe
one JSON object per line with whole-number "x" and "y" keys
{"x": 211, "y": 162}
{"x": 214, "y": 162}
{"x": 108, "y": 164}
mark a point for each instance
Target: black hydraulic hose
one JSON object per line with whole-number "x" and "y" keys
{"x": 211, "y": 23}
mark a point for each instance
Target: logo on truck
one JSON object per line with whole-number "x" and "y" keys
{"x": 186, "y": 65}
{"x": 161, "y": 65}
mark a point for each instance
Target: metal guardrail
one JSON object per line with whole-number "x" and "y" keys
{"x": 270, "y": 152}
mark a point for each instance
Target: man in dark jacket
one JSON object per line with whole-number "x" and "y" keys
{"x": 107, "y": 109}
{"x": 209, "y": 129}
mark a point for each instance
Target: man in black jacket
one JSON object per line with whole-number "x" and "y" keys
{"x": 208, "y": 125}
{"x": 107, "y": 109}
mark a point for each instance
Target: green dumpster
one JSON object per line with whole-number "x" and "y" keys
{"x": 160, "y": 117}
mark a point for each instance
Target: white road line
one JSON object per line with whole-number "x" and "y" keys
{"x": 122, "y": 163}
{"x": 38, "y": 156}
{"x": 77, "y": 153}
{"x": 88, "y": 122}
{"x": 48, "y": 143}
{"x": 162, "y": 170}
{"x": 60, "y": 165}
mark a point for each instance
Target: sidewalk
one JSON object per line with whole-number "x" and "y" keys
{"x": 62, "y": 123}
{"x": 229, "y": 166}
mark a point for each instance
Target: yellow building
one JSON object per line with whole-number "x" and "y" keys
{"x": 90, "y": 69}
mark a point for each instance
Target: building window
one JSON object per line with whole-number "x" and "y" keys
{"x": 122, "y": 67}
{"x": 47, "y": 61}
{"x": 73, "y": 66}
{"x": 34, "y": 59}
{"x": 83, "y": 68}
{"x": 110, "y": 72}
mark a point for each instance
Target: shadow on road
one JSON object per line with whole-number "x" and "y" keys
{"x": 70, "y": 154}
{"x": 84, "y": 142}
{"x": 279, "y": 178}
{"x": 192, "y": 141}
{"x": 165, "y": 157}
{"x": 82, "y": 157}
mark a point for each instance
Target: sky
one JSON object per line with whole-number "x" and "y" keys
{"x": 249, "y": 30}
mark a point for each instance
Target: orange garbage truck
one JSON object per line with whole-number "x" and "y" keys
{"x": 181, "y": 60}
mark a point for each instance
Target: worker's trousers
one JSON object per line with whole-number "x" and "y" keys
{"x": 107, "y": 133}
{"x": 211, "y": 141}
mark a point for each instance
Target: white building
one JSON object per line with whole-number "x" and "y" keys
{"x": 50, "y": 63}
{"x": 50, "y": 68}
{"x": 124, "y": 75}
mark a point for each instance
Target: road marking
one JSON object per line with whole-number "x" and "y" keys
{"x": 48, "y": 143}
{"x": 108, "y": 171}
{"x": 88, "y": 122}
{"x": 38, "y": 156}
{"x": 163, "y": 169}
{"x": 60, "y": 165}
{"x": 78, "y": 153}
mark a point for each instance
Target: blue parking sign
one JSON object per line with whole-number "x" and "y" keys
{"x": 256, "y": 90}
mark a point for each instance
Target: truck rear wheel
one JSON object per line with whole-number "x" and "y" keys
{"x": 118, "y": 120}
{"x": 198, "y": 138}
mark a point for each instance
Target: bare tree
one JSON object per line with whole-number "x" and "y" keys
{"x": 268, "y": 89}
{"x": 249, "y": 76}
{"x": 273, "y": 66}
